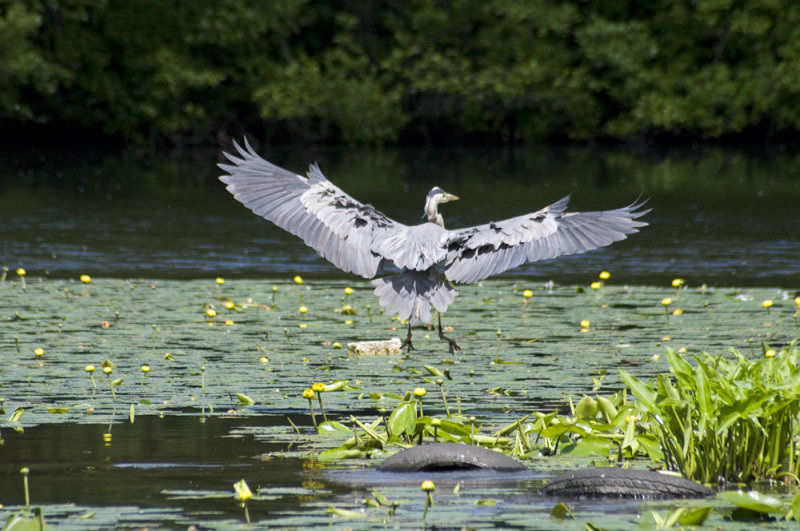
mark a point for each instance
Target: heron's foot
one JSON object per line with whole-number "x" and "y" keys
{"x": 453, "y": 345}
{"x": 407, "y": 342}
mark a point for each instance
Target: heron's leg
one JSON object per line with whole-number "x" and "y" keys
{"x": 407, "y": 342}
{"x": 453, "y": 345}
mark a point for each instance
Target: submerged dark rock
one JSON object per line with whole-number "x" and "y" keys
{"x": 448, "y": 456}
{"x": 623, "y": 483}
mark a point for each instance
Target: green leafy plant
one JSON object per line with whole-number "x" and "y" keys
{"x": 727, "y": 417}
{"x": 607, "y": 427}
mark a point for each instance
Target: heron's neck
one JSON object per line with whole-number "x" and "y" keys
{"x": 432, "y": 213}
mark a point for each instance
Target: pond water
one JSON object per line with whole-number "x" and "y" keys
{"x": 719, "y": 217}
{"x": 154, "y": 234}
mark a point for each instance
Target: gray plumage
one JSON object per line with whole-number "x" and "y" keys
{"x": 358, "y": 238}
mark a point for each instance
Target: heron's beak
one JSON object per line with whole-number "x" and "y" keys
{"x": 449, "y": 197}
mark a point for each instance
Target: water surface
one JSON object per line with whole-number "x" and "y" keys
{"x": 721, "y": 217}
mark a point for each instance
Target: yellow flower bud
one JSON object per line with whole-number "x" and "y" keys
{"x": 39, "y": 351}
{"x": 242, "y": 490}
{"x": 596, "y": 285}
{"x": 428, "y": 486}
{"x": 302, "y": 309}
{"x": 86, "y": 279}
{"x": 220, "y": 281}
{"x": 21, "y": 272}
{"x": 666, "y": 301}
{"x": 298, "y": 279}
{"x": 318, "y": 387}
{"x": 348, "y": 290}
{"x": 308, "y": 393}
{"x": 605, "y": 275}
{"x": 419, "y": 392}
{"x": 527, "y": 294}
{"x": 767, "y": 304}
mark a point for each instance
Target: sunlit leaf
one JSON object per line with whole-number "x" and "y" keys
{"x": 695, "y": 516}
{"x": 345, "y": 513}
{"x": 402, "y": 419}
{"x": 562, "y": 511}
{"x": 332, "y": 427}
{"x": 753, "y": 501}
{"x": 245, "y": 400}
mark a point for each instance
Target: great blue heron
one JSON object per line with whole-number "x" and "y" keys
{"x": 358, "y": 238}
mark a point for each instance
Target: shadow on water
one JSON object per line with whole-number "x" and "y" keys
{"x": 718, "y": 215}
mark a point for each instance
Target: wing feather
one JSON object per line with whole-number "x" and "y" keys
{"x": 334, "y": 224}
{"x": 479, "y": 252}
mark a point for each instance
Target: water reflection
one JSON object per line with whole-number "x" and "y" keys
{"x": 720, "y": 216}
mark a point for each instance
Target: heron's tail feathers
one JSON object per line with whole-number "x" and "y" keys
{"x": 410, "y": 294}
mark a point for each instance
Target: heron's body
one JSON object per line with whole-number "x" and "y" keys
{"x": 358, "y": 238}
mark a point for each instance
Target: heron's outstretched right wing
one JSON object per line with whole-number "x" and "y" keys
{"x": 479, "y": 252}
{"x": 334, "y": 224}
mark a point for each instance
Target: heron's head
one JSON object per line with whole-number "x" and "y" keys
{"x": 435, "y": 197}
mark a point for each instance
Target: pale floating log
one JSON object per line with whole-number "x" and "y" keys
{"x": 388, "y": 347}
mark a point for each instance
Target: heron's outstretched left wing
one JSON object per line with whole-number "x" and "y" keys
{"x": 334, "y": 224}
{"x": 479, "y": 252}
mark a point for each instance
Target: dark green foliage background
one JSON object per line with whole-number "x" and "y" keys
{"x": 427, "y": 71}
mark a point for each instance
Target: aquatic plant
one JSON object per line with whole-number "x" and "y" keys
{"x": 27, "y": 518}
{"x": 678, "y": 284}
{"x": 427, "y": 487}
{"x": 727, "y": 418}
{"x": 526, "y": 294}
{"x": 243, "y": 494}
{"x": 309, "y": 394}
{"x": 319, "y": 388}
{"x": 666, "y": 302}
{"x": 90, "y": 370}
{"x": 108, "y": 369}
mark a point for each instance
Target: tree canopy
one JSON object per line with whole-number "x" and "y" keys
{"x": 425, "y": 71}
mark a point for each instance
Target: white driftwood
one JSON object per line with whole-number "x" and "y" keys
{"x": 388, "y": 347}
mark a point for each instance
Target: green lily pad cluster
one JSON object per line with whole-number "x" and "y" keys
{"x": 601, "y": 427}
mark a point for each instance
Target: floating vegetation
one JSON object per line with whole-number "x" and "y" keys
{"x": 529, "y": 383}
